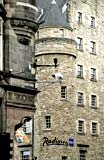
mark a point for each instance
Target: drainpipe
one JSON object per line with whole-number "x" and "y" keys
{"x": 1, "y": 45}
{"x": 32, "y": 137}
{"x": 2, "y": 93}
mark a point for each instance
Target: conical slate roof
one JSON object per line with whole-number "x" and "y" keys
{"x": 54, "y": 16}
{"x": 45, "y": 3}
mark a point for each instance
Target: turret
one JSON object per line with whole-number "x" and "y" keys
{"x": 57, "y": 85}
{"x": 20, "y": 27}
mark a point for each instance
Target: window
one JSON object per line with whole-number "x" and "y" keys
{"x": 93, "y": 101}
{"x": 79, "y": 43}
{"x": 80, "y": 98}
{"x": 92, "y": 47}
{"x": 79, "y": 17}
{"x": 94, "y": 128}
{"x": 80, "y": 71}
{"x": 82, "y": 154}
{"x": 63, "y": 92}
{"x": 25, "y": 155}
{"x": 92, "y": 22}
{"x": 62, "y": 32}
{"x": 37, "y": 34}
{"x": 48, "y": 121}
{"x": 93, "y": 74}
{"x": 64, "y": 158}
{"x": 80, "y": 126}
{"x": 27, "y": 126}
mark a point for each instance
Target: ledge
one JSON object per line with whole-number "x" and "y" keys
{"x": 50, "y": 39}
{"x": 20, "y": 89}
{"x": 21, "y": 22}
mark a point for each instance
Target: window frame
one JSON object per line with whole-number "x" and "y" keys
{"x": 25, "y": 158}
{"x": 79, "y": 71}
{"x": 80, "y": 99}
{"x": 92, "y": 22}
{"x": 93, "y": 47}
{"x": 48, "y": 122}
{"x": 79, "y": 17}
{"x": 81, "y": 127}
{"x": 94, "y": 101}
{"x": 95, "y": 131}
{"x": 80, "y": 43}
{"x": 93, "y": 74}
{"x": 82, "y": 154}
{"x": 63, "y": 92}
{"x": 27, "y": 127}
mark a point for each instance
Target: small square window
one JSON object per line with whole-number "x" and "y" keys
{"x": 80, "y": 71}
{"x": 48, "y": 121}
{"x": 79, "y": 17}
{"x": 79, "y": 43}
{"x": 93, "y": 101}
{"x": 63, "y": 92}
{"x": 92, "y": 22}
{"x": 80, "y": 126}
{"x": 94, "y": 128}
{"x": 92, "y": 47}
{"x": 93, "y": 74}
{"x": 25, "y": 155}
{"x": 80, "y": 99}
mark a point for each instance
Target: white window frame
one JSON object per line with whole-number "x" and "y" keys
{"x": 48, "y": 122}
{"x": 80, "y": 71}
{"x": 79, "y": 41}
{"x": 25, "y": 153}
{"x": 92, "y": 47}
{"x": 93, "y": 102}
{"x": 83, "y": 127}
{"x": 93, "y": 74}
{"x": 81, "y": 98}
{"x": 27, "y": 127}
{"x": 97, "y": 128}
{"x": 92, "y": 22}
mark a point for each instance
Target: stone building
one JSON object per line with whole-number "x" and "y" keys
{"x": 69, "y": 117}
{"x": 17, "y": 84}
{"x": 68, "y": 121}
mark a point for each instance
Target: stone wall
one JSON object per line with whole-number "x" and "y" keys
{"x": 64, "y": 114}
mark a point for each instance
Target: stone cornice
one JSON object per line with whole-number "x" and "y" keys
{"x": 50, "y": 39}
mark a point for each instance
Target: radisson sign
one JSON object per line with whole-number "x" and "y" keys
{"x": 54, "y": 141}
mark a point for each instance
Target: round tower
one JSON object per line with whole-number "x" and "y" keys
{"x": 54, "y": 116}
{"x": 20, "y": 27}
